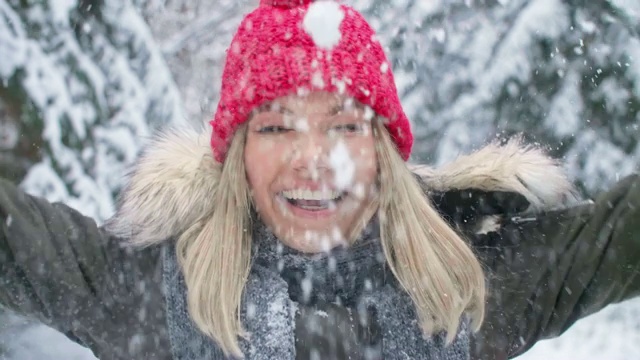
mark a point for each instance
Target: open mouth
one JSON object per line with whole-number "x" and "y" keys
{"x": 313, "y": 200}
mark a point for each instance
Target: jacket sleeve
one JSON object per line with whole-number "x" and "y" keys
{"x": 60, "y": 268}
{"x": 550, "y": 270}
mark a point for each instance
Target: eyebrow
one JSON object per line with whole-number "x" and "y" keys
{"x": 336, "y": 108}
{"x": 283, "y": 109}
{"x": 343, "y": 104}
{"x": 270, "y": 107}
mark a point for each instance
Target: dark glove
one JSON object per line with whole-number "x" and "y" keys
{"x": 330, "y": 331}
{"x": 467, "y": 209}
{"x": 470, "y": 203}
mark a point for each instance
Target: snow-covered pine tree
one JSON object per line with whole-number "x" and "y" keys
{"x": 193, "y": 36}
{"x": 563, "y": 72}
{"x": 82, "y": 85}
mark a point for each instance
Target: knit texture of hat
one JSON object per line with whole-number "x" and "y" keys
{"x": 287, "y": 46}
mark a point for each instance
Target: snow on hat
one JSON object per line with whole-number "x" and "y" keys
{"x": 285, "y": 46}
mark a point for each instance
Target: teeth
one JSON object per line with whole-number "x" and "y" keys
{"x": 300, "y": 194}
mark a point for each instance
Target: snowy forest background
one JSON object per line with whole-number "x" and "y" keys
{"x": 85, "y": 83}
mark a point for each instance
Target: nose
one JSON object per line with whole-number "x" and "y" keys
{"x": 310, "y": 154}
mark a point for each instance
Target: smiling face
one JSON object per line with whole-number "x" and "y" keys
{"x": 312, "y": 168}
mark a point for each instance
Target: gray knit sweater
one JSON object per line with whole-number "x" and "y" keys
{"x": 281, "y": 279}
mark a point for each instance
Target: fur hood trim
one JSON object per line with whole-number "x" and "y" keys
{"x": 510, "y": 167}
{"x": 172, "y": 185}
{"x": 170, "y": 188}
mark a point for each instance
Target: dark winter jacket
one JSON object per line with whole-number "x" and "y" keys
{"x": 546, "y": 268}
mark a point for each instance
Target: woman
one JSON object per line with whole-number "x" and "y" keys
{"x": 296, "y": 230}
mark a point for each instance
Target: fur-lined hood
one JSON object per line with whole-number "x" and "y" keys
{"x": 171, "y": 187}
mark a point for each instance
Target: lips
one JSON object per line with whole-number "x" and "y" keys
{"x": 312, "y": 205}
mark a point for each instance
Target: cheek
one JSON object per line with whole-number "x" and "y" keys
{"x": 267, "y": 148}
{"x": 254, "y": 162}
{"x": 364, "y": 156}
{"x": 263, "y": 161}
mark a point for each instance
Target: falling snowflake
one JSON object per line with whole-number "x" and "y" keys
{"x": 343, "y": 166}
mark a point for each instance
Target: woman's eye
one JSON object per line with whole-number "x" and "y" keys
{"x": 273, "y": 129}
{"x": 348, "y": 128}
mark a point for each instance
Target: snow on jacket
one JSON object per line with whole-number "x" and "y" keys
{"x": 546, "y": 268}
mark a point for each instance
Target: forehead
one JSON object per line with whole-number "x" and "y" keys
{"x": 318, "y": 101}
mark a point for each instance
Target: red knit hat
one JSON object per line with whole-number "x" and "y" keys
{"x": 285, "y": 46}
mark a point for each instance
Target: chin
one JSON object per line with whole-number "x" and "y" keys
{"x": 315, "y": 239}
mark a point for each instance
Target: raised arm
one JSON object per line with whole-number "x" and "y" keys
{"x": 547, "y": 271}
{"x": 59, "y": 267}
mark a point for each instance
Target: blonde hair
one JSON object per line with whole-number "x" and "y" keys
{"x": 215, "y": 256}
{"x": 429, "y": 259}
{"x": 433, "y": 264}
